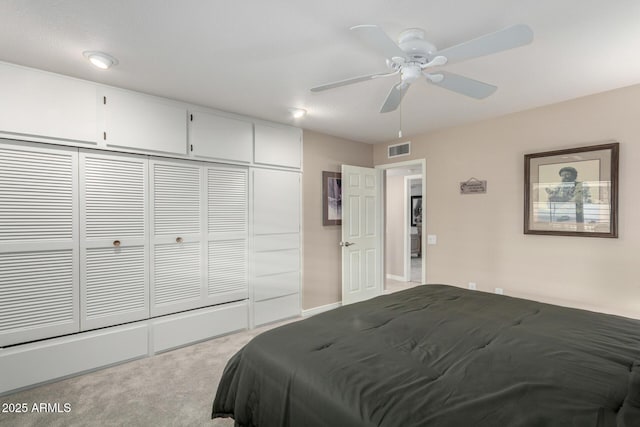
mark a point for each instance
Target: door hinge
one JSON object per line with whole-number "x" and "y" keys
{"x": 104, "y": 100}
{"x": 191, "y": 147}
{"x": 191, "y": 117}
{"x": 104, "y": 136}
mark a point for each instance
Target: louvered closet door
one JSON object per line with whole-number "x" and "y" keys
{"x": 227, "y": 224}
{"x": 38, "y": 242}
{"x": 177, "y": 266}
{"x": 113, "y": 233}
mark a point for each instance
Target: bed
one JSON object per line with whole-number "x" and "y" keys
{"x": 438, "y": 355}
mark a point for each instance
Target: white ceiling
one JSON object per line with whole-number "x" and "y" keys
{"x": 260, "y": 58}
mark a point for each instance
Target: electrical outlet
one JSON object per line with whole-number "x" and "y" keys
{"x": 472, "y": 286}
{"x": 499, "y": 291}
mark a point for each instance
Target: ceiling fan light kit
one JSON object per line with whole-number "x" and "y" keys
{"x": 413, "y": 57}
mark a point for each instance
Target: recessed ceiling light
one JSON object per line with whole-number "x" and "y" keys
{"x": 297, "y": 113}
{"x": 100, "y": 59}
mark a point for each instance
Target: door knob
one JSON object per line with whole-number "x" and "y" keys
{"x": 346, "y": 243}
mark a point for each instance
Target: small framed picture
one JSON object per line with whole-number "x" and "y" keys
{"x": 572, "y": 192}
{"x": 331, "y": 198}
{"x": 416, "y": 211}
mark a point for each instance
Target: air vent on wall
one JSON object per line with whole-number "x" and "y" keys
{"x": 398, "y": 150}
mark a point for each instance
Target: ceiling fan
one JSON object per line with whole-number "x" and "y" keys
{"x": 413, "y": 57}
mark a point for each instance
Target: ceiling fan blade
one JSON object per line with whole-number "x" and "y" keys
{"x": 376, "y": 38}
{"x": 508, "y": 38}
{"x": 460, "y": 84}
{"x": 394, "y": 98}
{"x": 351, "y": 81}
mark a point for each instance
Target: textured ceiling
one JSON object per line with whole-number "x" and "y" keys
{"x": 260, "y": 58}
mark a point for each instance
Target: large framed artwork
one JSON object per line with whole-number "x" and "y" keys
{"x": 572, "y": 192}
{"x": 331, "y": 198}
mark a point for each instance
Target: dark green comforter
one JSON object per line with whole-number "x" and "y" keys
{"x": 438, "y": 355}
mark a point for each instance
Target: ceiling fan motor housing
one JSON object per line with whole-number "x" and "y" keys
{"x": 412, "y": 42}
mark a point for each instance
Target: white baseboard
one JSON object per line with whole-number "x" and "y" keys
{"x": 321, "y": 309}
{"x": 398, "y": 278}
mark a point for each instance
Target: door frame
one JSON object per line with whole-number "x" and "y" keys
{"x": 423, "y": 166}
{"x": 407, "y": 225}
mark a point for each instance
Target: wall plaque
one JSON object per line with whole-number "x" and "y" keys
{"x": 473, "y": 186}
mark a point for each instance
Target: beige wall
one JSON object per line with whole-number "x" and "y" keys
{"x": 322, "y": 266}
{"x": 480, "y": 237}
{"x": 394, "y": 225}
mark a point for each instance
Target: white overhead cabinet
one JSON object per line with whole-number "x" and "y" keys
{"x": 38, "y": 242}
{"x": 278, "y": 145}
{"x": 276, "y": 225}
{"x": 38, "y": 104}
{"x": 113, "y": 233}
{"x": 143, "y": 122}
{"x": 218, "y": 137}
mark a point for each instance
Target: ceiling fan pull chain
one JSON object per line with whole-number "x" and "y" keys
{"x": 400, "y": 120}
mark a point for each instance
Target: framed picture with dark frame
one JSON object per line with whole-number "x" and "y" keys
{"x": 331, "y": 198}
{"x": 416, "y": 211}
{"x": 572, "y": 192}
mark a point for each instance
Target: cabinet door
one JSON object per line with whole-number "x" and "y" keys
{"x": 177, "y": 265}
{"x": 278, "y": 145}
{"x": 43, "y": 104}
{"x": 217, "y": 137}
{"x": 276, "y": 199}
{"x": 227, "y": 223}
{"x": 143, "y": 122}
{"x": 113, "y": 233}
{"x": 276, "y": 258}
{"x": 38, "y": 242}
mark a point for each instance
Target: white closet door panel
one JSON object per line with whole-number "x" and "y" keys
{"x": 276, "y": 285}
{"x": 113, "y": 192}
{"x": 177, "y": 277}
{"x": 228, "y": 200}
{"x": 38, "y": 295}
{"x": 176, "y": 198}
{"x": 115, "y": 288}
{"x": 36, "y": 193}
{"x": 276, "y": 309}
{"x": 276, "y": 262}
{"x": 227, "y": 225}
{"x": 276, "y": 242}
{"x": 228, "y": 274}
{"x": 276, "y": 198}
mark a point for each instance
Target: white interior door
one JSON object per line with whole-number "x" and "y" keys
{"x": 361, "y": 233}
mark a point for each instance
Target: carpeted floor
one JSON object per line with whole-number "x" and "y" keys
{"x": 171, "y": 389}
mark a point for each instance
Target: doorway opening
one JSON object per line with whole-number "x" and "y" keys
{"x": 404, "y": 214}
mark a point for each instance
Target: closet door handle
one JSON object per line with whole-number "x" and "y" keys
{"x": 116, "y": 243}
{"x": 179, "y": 239}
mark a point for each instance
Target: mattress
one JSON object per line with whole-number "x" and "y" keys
{"x": 438, "y": 355}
